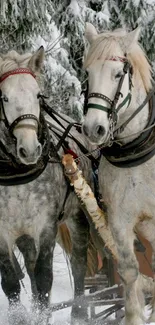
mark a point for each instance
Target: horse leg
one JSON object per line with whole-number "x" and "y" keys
{"x": 27, "y": 247}
{"x": 152, "y": 316}
{"x": 44, "y": 265}
{"x": 9, "y": 280}
{"x": 147, "y": 228}
{"x": 129, "y": 273}
{"x": 10, "y": 284}
{"x": 79, "y": 231}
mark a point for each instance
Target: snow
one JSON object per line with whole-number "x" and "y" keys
{"x": 62, "y": 291}
{"x": 150, "y": 2}
{"x": 74, "y": 8}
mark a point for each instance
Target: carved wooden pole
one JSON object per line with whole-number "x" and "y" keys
{"x": 84, "y": 192}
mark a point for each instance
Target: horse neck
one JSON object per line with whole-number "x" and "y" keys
{"x": 139, "y": 122}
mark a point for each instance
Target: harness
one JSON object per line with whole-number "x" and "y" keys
{"x": 12, "y": 171}
{"x": 142, "y": 148}
{"x": 66, "y": 132}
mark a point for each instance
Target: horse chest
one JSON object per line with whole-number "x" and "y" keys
{"x": 128, "y": 191}
{"x": 31, "y": 207}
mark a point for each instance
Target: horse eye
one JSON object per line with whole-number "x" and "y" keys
{"x": 118, "y": 75}
{"x": 5, "y": 98}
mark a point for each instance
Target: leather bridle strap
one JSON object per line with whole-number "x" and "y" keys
{"x": 118, "y": 93}
{"x": 15, "y": 125}
{"x": 97, "y": 106}
{"x": 126, "y": 99}
{"x": 17, "y": 71}
{"x": 24, "y": 116}
{"x": 112, "y": 111}
{"x": 101, "y": 96}
{"x": 146, "y": 100}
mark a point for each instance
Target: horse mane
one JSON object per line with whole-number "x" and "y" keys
{"x": 103, "y": 48}
{"x": 13, "y": 60}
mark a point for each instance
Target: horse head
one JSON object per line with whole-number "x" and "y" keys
{"x": 114, "y": 62}
{"x": 19, "y": 101}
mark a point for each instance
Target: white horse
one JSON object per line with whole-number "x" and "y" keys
{"x": 119, "y": 79}
{"x": 30, "y": 206}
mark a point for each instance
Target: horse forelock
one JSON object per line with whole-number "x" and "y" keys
{"x": 106, "y": 45}
{"x": 13, "y": 60}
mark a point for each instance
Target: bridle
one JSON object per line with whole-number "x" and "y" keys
{"x": 112, "y": 110}
{"x": 15, "y": 124}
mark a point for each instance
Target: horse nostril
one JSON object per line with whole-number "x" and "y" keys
{"x": 22, "y": 152}
{"x": 100, "y": 130}
{"x": 85, "y": 130}
{"x": 39, "y": 150}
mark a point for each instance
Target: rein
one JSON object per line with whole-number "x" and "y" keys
{"x": 66, "y": 132}
{"x": 146, "y": 100}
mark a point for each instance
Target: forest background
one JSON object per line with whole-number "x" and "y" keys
{"x": 59, "y": 26}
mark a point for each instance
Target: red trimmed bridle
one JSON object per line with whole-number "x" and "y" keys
{"x": 17, "y": 71}
{"x": 15, "y": 123}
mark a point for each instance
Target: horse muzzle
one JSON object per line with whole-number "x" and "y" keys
{"x": 96, "y": 134}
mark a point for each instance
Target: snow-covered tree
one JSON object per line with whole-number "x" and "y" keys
{"x": 20, "y": 20}
{"x": 59, "y": 26}
{"x": 64, "y": 45}
{"x": 129, "y": 14}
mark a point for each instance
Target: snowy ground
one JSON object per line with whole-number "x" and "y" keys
{"x": 62, "y": 290}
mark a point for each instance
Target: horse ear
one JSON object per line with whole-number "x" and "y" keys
{"x": 36, "y": 61}
{"x": 130, "y": 39}
{"x": 90, "y": 32}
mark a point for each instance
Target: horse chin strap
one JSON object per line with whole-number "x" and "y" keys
{"x": 15, "y": 124}
{"x": 112, "y": 110}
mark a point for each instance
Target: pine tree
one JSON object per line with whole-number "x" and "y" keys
{"x": 148, "y": 32}
{"x": 59, "y": 26}
{"x": 126, "y": 13}
{"x": 20, "y": 20}
{"x": 70, "y": 17}
{"x": 129, "y": 14}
